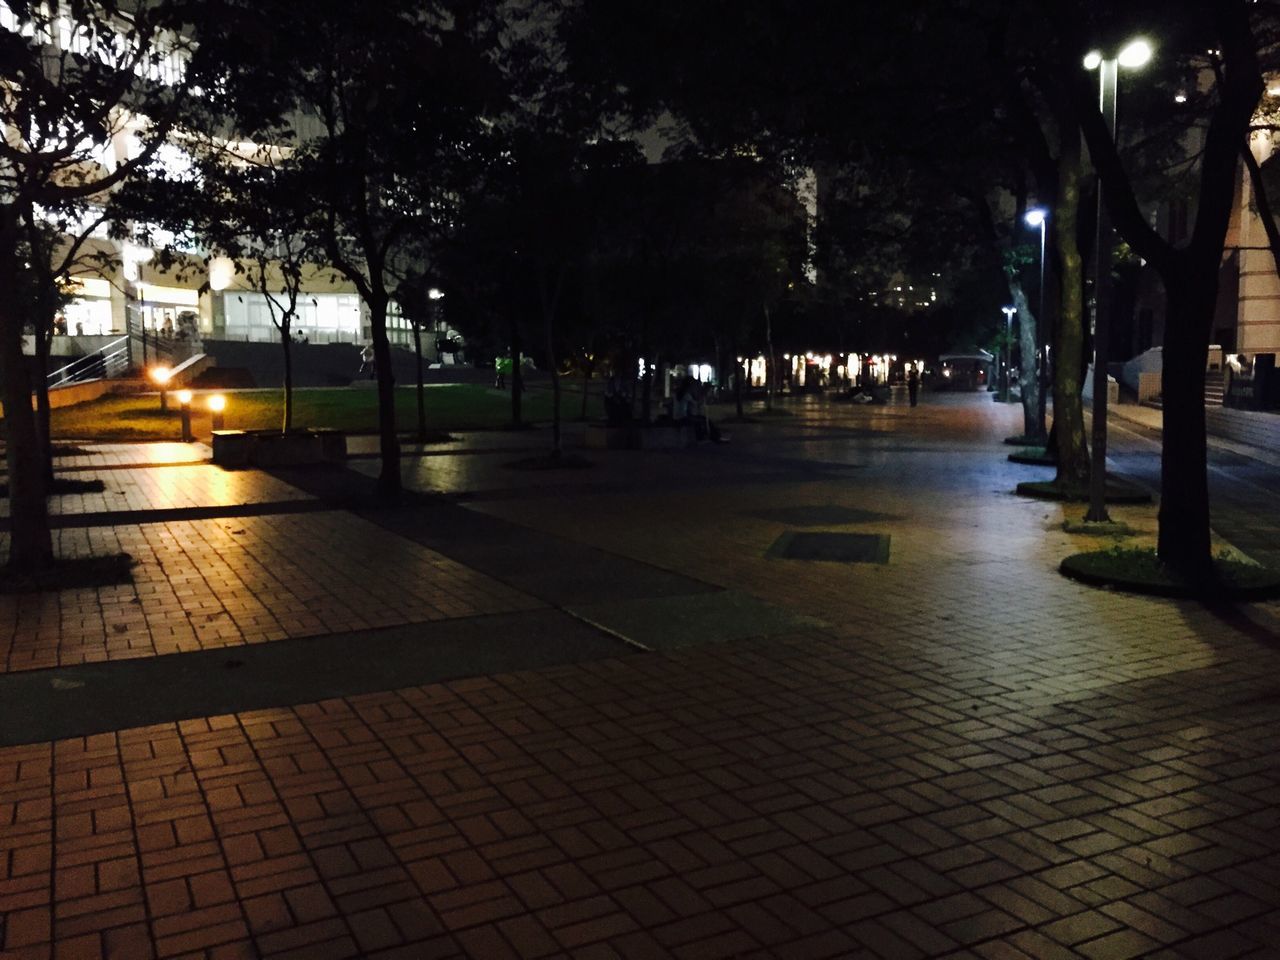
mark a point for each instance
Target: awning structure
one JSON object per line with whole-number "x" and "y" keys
{"x": 981, "y": 356}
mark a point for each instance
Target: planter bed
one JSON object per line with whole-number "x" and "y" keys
{"x": 271, "y": 448}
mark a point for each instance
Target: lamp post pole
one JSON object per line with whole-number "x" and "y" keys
{"x": 1134, "y": 55}
{"x": 1042, "y": 334}
{"x": 1107, "y": 72}
{"x": 1008, "y": 348}
{"x": 1038, "y": 217}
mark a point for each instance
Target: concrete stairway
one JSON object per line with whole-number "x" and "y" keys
{"x": 1214, "y": 391}
{"x": 1214, "y": 388}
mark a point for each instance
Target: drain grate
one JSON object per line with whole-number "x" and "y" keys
{"x": 832, "y": 547}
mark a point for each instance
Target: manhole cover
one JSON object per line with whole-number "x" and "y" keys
{"x": 832, "y": 547}
{"x": 821, "y": 515}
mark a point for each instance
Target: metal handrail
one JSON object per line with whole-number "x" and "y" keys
{"x": 111, "y": 362}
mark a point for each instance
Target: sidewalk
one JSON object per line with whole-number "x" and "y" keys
{"x": 955, "y": 753}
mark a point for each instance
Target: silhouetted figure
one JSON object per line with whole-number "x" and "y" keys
{"x": 913, "y": 385}
{"x": 617, "y": 402}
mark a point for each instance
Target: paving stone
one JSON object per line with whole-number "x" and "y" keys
{"x": 901, "y": 759}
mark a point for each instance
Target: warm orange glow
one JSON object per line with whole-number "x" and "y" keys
{"x": 184, "y": 397}
{"x": 217, "y": 403}
{"x": 161, "y": 375}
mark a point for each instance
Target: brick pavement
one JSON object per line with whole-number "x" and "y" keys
{"x": 137, "y": 488}
{"x": 974, "y": 758}
{"x": 221, "y": 583}
{"x": 114, "y": 455}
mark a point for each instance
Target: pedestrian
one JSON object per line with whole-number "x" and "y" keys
{"x": 367, "y": 361}
{"x": 682, "y": 404}
{"x": 913, "y": 383}
{"x": 500, "y": 367}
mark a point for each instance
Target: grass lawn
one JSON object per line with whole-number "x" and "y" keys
{"x": 449, "y": 407}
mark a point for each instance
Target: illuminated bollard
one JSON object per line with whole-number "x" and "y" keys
{"x": 162, "y": 376}
{"x": 217, "y": 404}
{"x": 184, "y": 398}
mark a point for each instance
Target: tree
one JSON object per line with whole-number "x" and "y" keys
{"x": 382, "y": 111}
{"x": 73, "y": 92}
{"x": 417, "y": 296}
{"x": 56, "y": 248}
{"x": 1190, "y": 272}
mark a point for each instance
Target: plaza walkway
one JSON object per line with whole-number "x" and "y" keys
{"x": 818, "y": 692}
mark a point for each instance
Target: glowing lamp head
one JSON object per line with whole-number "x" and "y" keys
{"x": 435, "y": 294}
{"x": 184, "y": 397}
{"x": 1035, "y": 216}
{"x": 1135, "y": 54}
{"x": 1092, "y": 60}
{"x": 161, "y": 375}
{"x": 217, "y": 403}
{"x": 222, "y": 273}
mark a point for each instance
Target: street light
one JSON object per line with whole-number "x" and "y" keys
{"x": 1132, "y": 56}
{"x": 1008, "y": 346}
{"x": 1039, "y": 217}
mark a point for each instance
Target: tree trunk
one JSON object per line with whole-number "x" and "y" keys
{"x": 771, "y": 374}
{"x": 44, "y": 410}
{"x": 555, "y": 387}
{"x": 422, "y": 399}
{"x": 1262, "y": 201}
{"x": 587, "y": 369}
{"x": 389, "y": 442}
{"x": 517, "y": 377}
{"x": 286, "y": 343}
{"x": 737, "y": 378}
{"x": 646, "y": 391}
{"x": 30, "y": 542}
{"x": 1032, "y": 427}
{"x": 1184, "y": 541}
{"x": 1068, "y": 410}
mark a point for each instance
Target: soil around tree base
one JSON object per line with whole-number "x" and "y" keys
{"x": 1098, "y": 529}
{"x": 1141, "y": 571}
{"x": 1034, "y": 456}
{"x": 75, "y": 573}
{"x": 1118, "y": 491}
{"x": 1025, "y": 440}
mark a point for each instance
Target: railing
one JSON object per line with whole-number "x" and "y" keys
{"x": 112, "y": 360}
{"x": 153, "y": 348}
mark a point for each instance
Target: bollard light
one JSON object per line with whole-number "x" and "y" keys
{"x": 217, "y": 404}
{"x": 161, "y": 376}
{"x": 184, "y": 398}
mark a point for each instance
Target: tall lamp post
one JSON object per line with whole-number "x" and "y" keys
{"x": 1133, "y": 56}
{"x": 1008, "y": 347}
{"x": 1039, "y": 217}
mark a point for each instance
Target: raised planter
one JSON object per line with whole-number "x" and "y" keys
{"x": 601, "y": 436}
{"x": 636, "y": 436}
{"x": 270, "y": 448}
